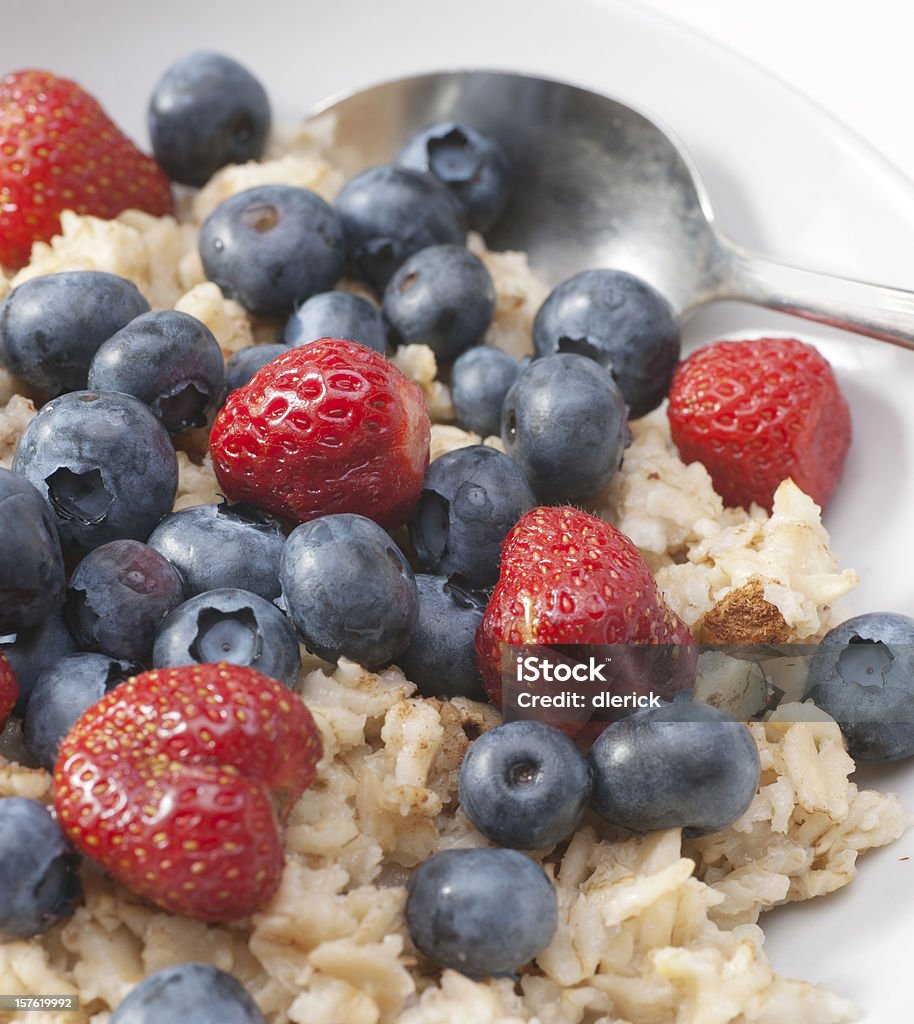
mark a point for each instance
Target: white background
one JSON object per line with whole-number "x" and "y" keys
{"x": 855, "y": 58}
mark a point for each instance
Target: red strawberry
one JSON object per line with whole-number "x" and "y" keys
{"x": 9, "y": 689}
{"x": 177, "y": 783}
{"x": 59, "y": 151}
{"x": 756, "y": 412}
{"x": 570, "y": 578}
{"x": 327, "y": 427}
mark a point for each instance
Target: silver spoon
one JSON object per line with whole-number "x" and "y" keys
{"x": 599, "y": 184}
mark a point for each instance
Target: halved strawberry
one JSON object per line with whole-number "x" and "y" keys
{"x": 178, "y": 781}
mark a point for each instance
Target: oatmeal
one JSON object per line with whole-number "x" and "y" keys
{"x": 650, "y": 928}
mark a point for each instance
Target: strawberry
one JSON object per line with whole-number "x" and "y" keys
{"x": 570, "y": 578}
{"x": 9, "y": 689}
{"x": 327, "y": 427}
{"x": 177, "y": 783}
{"x": 59, "y": 150}
{"x": 757, "y": 412}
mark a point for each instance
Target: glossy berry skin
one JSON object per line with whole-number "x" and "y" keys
{"x": 441, "y": 296}
{"x": 564, "y": 420}
{"x": 32, "y": 575}
{"x": 118, "y": 596}
{"x": 388, "y": 213}
{"x": 103, "y": 462}
{"x": 756, "y": 412}
{"x": 337, "y": 315}
{"x": 349, "y": 590}
{"x": 229, "y": 625}
{"x": 480, "y": 379}
{"x": 52, "y": 326}
{"x": 170, "y": 361}
{"x": 40, "y": 870}
{"x": 62, "y": 693}
{"x": 570, "y": 578}
{"x": 326, "y": 428}
{"x": 524, "y": 785}
{"x": 272, "y": 247}
{"x": 60, "y": 151}
{"x": 9, "y": 689}
{"x": 440, "y": 657}
{"x": 243, "y": 364}
{"x": 862, "y": 674}
{"x": 190, "y": 992}
{"x": 178, "y": 781}
{"x": 621, "y": 322}
{"x": 471, "y": 499}
{"x": 206, "y": 111}
{"x": 32, "y": 650}
{"x": 222, "y": 545}
{"x": 472, "y": 165}
{"x": 480, "y": 911}
{"x": 682, "y": 765}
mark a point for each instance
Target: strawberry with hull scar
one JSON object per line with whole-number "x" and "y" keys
{"x": 178, "y": 783}
{"x": 59, "y": 151}
{"x": 756, "y": 412}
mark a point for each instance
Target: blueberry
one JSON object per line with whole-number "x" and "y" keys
{"x": 564, "y": 420}
{"x": 480, "y": 379}
{"x": 681, "y": 765}
{"x": 620, "y": 321}
{"x": 40, "y": 870}
{"x": 117, "y": 597}
{"x": 473, "y": 166}
{"x": 243, "y": 364}
{"x": 482, "y": 912}
{"x": 189, "y": 992}
{"x": 524, "y": 784}
{"x": 104, "y": 463}
{"x": 862, "y": 674}
{"x": 272, "y": 247}
{"x": 229, "y": 625}
{"x": 337, "y": 315}
{"x": 206, "y": 111}
{"x": 471, "y": 498}
{"x": 388, "y": 213}
{"x": 222, "y": 545}
{"x": 168, "y": 360}
{"x": 349, "y": 590}
{"x": 52, "y": 326}
{"x": 441, "y": 656}
{"x": 31, "y": 651}
{"x": 441, "y": 296}
{"x": 62, "y": 693}
{"x": 32, "y": 577}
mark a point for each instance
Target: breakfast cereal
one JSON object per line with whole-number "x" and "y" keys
{"x": 652, "y": 928}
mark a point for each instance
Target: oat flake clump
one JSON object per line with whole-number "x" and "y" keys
{"x": 702, "y": 553}
{"x": 147, "y": 250}
{"x": 301, "y": 170}
{"x": 227, "y": 319}
{"x": 14, "y": 418}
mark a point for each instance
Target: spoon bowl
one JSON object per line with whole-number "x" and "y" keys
{"x": 598, "y": 183}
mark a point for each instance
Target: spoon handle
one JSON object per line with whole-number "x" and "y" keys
{"x": 870, "y": 309}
